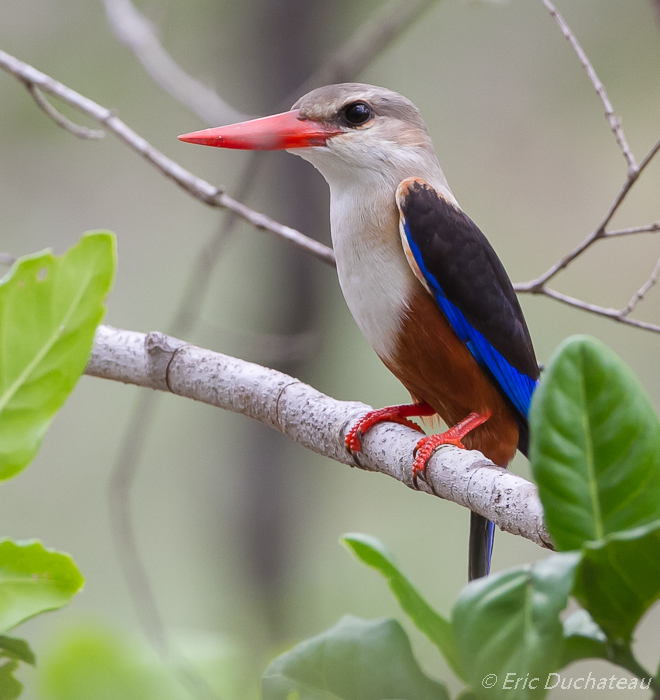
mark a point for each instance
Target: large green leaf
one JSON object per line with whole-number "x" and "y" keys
{"x": 92, "y": 663}
{"x": 595, "y": 448}
{"x": 373, "y": 553}
{"x": 49, "y": 309}
{"x": 33, "y": 580}
{"x": 508, "y": 628}
{"x": 354, "y": 660}
{"x": 583, "y": 639}
{"x": 619, "y": 579}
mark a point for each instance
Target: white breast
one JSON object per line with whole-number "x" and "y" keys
{"x": 373, "y": 272}
{"x": 363, "y": 172}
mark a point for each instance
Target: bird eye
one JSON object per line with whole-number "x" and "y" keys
{"x": 357, "y": 113}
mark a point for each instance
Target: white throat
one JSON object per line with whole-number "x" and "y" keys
{"x": 374, "y": 274}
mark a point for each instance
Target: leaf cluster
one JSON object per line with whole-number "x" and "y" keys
{"x": 49, "y": 310}
{"x": 595, "y": 454}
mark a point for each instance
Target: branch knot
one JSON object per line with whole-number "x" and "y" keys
{"x": 161, "y": 350}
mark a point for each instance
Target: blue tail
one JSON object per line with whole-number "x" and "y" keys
{"x": 482, "y": 533}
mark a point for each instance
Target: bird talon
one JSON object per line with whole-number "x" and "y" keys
{"x": 393, "y": 414}
{"x": 353, "y": 441}
{"x": 428, "y": 340}
{"x": 427, "y": 446}
{"x": 418, "y": 474}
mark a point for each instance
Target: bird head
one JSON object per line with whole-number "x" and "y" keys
{"x": 346, "y": 131}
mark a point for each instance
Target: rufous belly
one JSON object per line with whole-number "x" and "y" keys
{"x": 435, "y": 366}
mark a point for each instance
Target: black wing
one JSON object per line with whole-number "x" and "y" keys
{"x": 459, "y": 267}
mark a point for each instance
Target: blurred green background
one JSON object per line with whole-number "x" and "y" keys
{"x": 237, "y": 528}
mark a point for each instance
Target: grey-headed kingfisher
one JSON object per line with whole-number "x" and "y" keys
{"x": 420, "y": 279}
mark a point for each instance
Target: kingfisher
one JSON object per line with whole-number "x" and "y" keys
{"x": 421, "y": 280}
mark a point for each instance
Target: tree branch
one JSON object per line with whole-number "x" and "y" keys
{"x": 639, "y": 294}
{"x": 213, "y": 196}
{"x": 619, "y": 315}
{"x": 614, "y": 121}
{"x": 198, "y": 188}
{"x": 649, "y": 228}
{"x": 536, "y": 286}
{"x": 316, "y": 422}
{"x": 136, "y": 32}
{"x": 81, "y": 132}
{"x": 539, "y": 286}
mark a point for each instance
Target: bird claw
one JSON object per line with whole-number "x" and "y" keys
{"x": 353, "y": 440}
{"x": 392, "y": 414}
{"x": 425, "y": 449}
{"x": 428, "y": 445}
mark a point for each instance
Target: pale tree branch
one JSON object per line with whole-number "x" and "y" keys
{"x": 649, "y": 228}
{"x": 81, "y": 132}
{"x": 317, "y": 422}
{"x": 136, "y": 32}
{"x": 539, "y": 285}
{"x": 198, "y": 188}
{"x": 639, "y": 294}
{"x": 535, "y": 286}
{"x": 614, "y": 314}
{"x": 614, "y": 121}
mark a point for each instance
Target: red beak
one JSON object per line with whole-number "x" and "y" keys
{"x": 274, "y": 133}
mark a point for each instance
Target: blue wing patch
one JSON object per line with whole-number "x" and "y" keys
{"x": 517, "y": 386}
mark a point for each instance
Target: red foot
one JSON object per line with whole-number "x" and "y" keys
{"x": 394, "y": 414}
{"x": 428, "y": 445}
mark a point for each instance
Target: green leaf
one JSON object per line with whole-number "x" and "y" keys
{"x": 583, "y": 639}
{"x": 595, "y": 448}
{"x": 354, "y": 660}
{"x": 33, "y": 580}
{"x": 507, "y": 626}
{"x": 466, "y": 695}
{"x": 16, "y": 649}
{"x": 619, "y": 579}
{"x": 49, "y": 309}
{"x": 10, "y": 687}
{"x": 373, "y": 553}
{"x": 93, "y": 663}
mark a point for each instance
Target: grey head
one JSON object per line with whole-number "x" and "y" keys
{"x": 379, "y": 134}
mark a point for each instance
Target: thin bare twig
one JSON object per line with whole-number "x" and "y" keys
{"x": 614, "y": 314}
{"x": 614, "y": 121}
{"x": 639, "y": 294}
{"x": 537, "y": 286}
{"x": 198, "y": 188}
{"x": 215, "y": 197}
{"x": 136, "y": 32}
{"x": 649, "y": 228}
{"x": 81, "y": 132}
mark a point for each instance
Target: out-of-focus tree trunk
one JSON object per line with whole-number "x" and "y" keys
{"x": 288, "y": 51}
